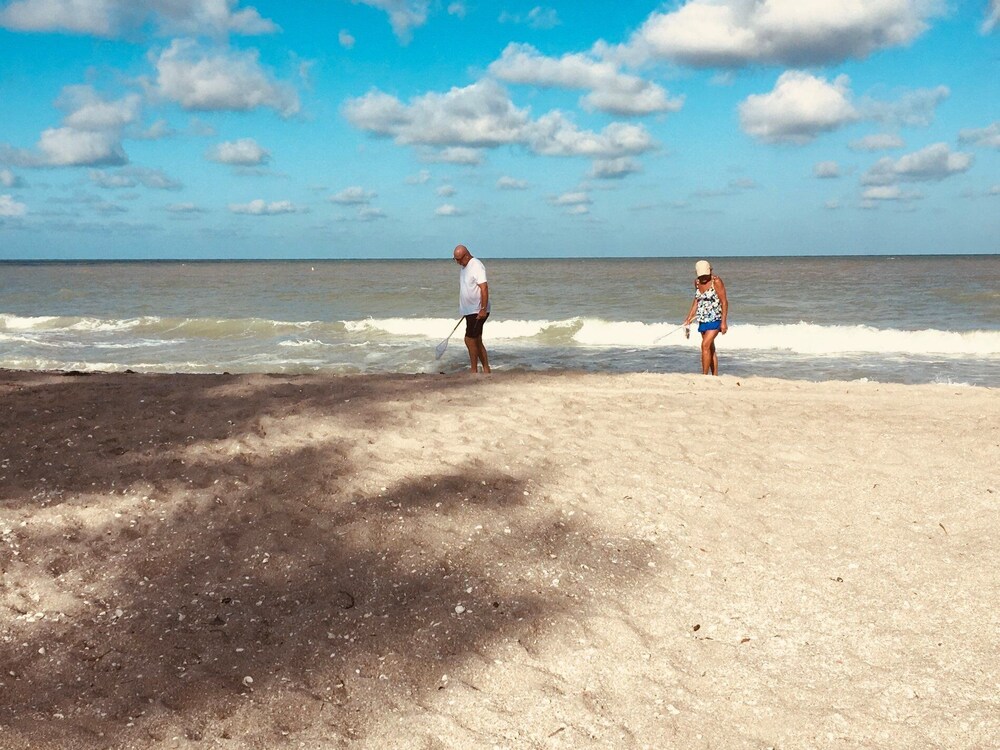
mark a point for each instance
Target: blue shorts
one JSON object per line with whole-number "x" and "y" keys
{"x": 712, "y": 325}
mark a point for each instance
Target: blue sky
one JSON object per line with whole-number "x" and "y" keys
{"x": 398, "y": 128}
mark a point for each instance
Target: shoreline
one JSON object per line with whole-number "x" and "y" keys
{"x": 538, "y": 559}
{"x": 497, "y": 373}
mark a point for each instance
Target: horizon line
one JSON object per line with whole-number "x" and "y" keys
{"x": 494, "y": 257}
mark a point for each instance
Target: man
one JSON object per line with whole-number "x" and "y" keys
{"x": 473, "y": 305}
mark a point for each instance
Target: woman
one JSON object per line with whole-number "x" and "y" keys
{"x": 710, "y": 308}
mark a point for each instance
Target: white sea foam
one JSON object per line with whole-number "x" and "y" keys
{"x": 27, "y": 339}
{"x": 807, "y": 338}
{"x": 97, "y": 325}
{"x": 799, "y": 338}
{"x": 410, "y": 327}
{"x": 438, "y": 328}
{"x": 304, "y": 342}
{"x": 18, "y": 323}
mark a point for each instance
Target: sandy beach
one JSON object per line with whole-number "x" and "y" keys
{"x": 547, "y": 560}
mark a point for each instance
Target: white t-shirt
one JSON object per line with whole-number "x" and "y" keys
{"x": 469, "y": 279}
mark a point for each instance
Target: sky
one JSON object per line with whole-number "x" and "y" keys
{"x": 400, "y": 128}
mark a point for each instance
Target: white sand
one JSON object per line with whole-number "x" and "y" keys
{"x": 520, "y": 561}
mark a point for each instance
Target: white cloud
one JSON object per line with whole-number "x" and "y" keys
{"x": 889, "y": 193}
{"x": 87, "y": 110}
{"x": 457, "y": 9}
{"x": 539, "y": 17}
{"x": 203, "y": 80}
{"x": 155, "y": 179}
{"x": 736, "y": 33}
{"x": 263, "y": 208}
{"x": 112, "y": 18}
{"x": 352, "y": 196}
{"x": 110, "y": 181}
{"x": 800, "y": 107}
{"x": 832, "y": 205}
{"x": 245, "y": 152}
{"x": 479, "y": 115}
{"x": 611, "y": 90}
{"x": 447, "y": 209}
{"x": 578, "y": 198}
{"x": 882, "y": 193}
{"x": 159, "y": 129}
{"x": 370, "y": 213}
{"x": 877, "y": 142}
{"x": 554, "y": 135}
{"x": 420, "y": 178}
{"x": 914, "y": 109}
{"x": 10, "y": 208}
{"x": 510, "y": 183}
{"x": 446, "y": 191}
{"x": 578, "y": 210}
{"x": 404, "y": 15}
{"x": 67, "y": 147}
{"x": 469, "y": 157}
{"x": 346, "y": 39}
{"x": 935, "y": 162}
{"x": 8, "y": 179}
{"x": 614, "y": 169}
{"x": 90, "y": 134}
{"x": 992, "y": 19}
{"x": 184, "y": 208}
{"x": 482, "y": 116}
{"x": 826, "y": 170}
{"x": 988, "y": 136}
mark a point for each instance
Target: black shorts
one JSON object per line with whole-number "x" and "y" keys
{"x": 474, "y": 326}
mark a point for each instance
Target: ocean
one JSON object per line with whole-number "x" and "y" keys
{"x": 906, "y": 319}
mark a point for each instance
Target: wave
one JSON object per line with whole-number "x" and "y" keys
{"x": 809, "y": 338}
{"x": 153, "y": 325}
{"x": 798, "y": 338}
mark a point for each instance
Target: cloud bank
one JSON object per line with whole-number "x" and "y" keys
{"x": 738, "y": 33}
{"x": 115, "y": 18}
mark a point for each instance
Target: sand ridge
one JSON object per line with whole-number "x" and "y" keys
{"x": 529, "y": 560}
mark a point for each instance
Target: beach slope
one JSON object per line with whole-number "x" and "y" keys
{"x": 529, "y": 560}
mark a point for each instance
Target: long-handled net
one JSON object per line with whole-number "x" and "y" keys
{"x": 660, "y": 338}
{"x": 440, "y": 348}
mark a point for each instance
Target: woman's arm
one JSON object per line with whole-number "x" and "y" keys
{"x": 720, "y": 289}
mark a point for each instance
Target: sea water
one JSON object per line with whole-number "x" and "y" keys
{"x": 910, "y": 319}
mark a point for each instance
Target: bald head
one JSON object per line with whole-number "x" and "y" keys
{"x": 462, "y": 255}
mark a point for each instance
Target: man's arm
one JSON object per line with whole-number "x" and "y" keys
{"x": 484, "y": 299}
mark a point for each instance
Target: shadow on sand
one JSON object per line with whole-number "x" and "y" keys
{"x": 158, "y": 582}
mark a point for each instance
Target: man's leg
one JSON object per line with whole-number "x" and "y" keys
{"x": 473, "y": 346}
{"x": 483, "y": 357}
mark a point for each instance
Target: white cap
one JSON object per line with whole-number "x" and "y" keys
{"x": 702, "y": 268}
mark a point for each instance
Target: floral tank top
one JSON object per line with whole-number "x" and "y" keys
{"x": 709, "y": 305}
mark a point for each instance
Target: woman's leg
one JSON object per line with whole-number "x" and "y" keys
{"x": 709, "y": 361}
